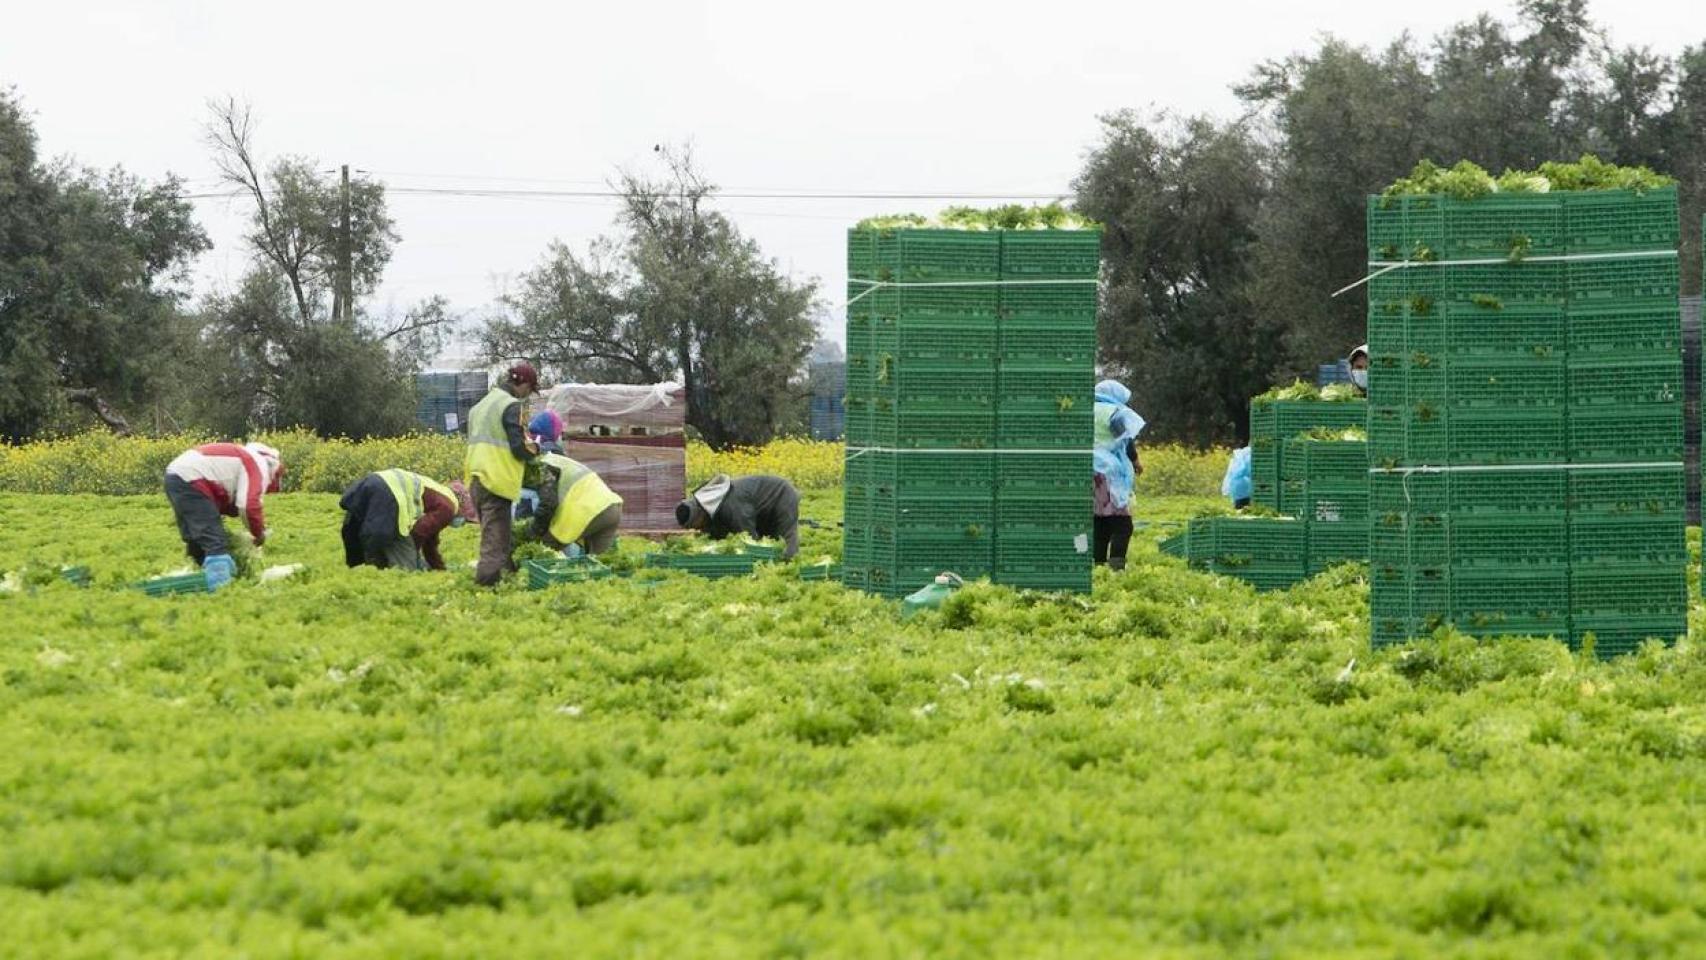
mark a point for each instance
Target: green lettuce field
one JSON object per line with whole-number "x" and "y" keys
{"x": 376, "y": 764}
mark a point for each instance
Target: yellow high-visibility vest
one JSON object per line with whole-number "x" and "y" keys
{"x": 489, "y": 458}
{"x": 1104, "y": 434}
{"x": 409, "y": 490}
{"x": 581, "y": 496}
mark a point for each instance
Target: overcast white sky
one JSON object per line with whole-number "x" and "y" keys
{"x": 874, "y": 96}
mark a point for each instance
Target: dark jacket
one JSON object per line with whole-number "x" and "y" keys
{"x": 370, "y": 523}
{"x": 757, "y": 506}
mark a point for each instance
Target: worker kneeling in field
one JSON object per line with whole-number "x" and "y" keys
{"x": 498, "y": 452}
{"x": 577, "y": 513}
{"x": 214, "y": 480}
{"x": 757, "y": 506}
{"x": 393, "y": 518}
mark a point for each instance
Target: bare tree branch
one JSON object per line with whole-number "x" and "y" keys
{"x": 90, "y": 398}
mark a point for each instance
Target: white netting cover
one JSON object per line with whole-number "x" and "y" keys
{"x": 659, "y": 408}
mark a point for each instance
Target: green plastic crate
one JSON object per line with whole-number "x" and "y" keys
{"x": 1626, "y": 434}
{"x": 1045, "y": 343}
{"x": 1618, "y": 327}
{"x": 1625, "y": 379}
{"x": 175, "y": 584}
{"x": 1620, "y": 634}
{"x": 1064, "y": 472}
{"x": 1325, "y": 460}
{"x": 1496, "y": 226}
{"x": 1628, "y": 538}
{"x": 924, "y": 254}
{"x": 1651, "y": 491}
{"x": 1509, "y": 330}
{"x": 1480, "y": 597}
{"x": 1051, "y": 253}
{"x": 1606, "y": 589}
{"x": 550, "y": 572}
{"x": 1507, "y": 540}
{"x": 1071, "y": 511}
{"x": 1073, "y": 303}
{"x": 1604, "y": 221}
{"x": 1646, "y": 278}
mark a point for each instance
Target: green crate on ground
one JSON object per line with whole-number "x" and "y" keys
{"x": 1245, "y": 539}
{"x": 714, "y": 565}
{"x": 1508, "y": 625}
{"x": 174, "y": 584}
{"x": 1604, "y": 589}
{"x": 556, "y": 570}
{"x": 1620, "y": 634}
{"x": 1331, "y": 544}
{"x": 1264, "y": 575}
{"x": 1175, "y": 546}
{"x": 821, "y": 572}
{"x": 1039, "y": 575}
{"x": 1061, "y": 549}
{"x": 1608, "y": 221}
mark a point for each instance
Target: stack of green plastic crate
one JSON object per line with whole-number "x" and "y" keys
{"x": 1266, "y": 552}
{"x": 1045, "y": 373}
{"x": 1325, "y": 485}
{"x": 1273, "y": 422}
{"x": 1525, "y": 417}
{"x": 969, "y": 405}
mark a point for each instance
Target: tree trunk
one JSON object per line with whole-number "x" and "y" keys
{"x": 88, "y": 397}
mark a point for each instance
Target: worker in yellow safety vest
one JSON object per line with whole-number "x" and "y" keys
{"x": 578, "y": 514}
{"x": 393, "y": 518}
{"x": 498, "y": 452}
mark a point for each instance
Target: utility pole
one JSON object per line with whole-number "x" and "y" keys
{"x": 344, "y": 308}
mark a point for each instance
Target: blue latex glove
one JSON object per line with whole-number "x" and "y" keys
{"x": 218, "y": 569}
{"x": 573, "y": 552}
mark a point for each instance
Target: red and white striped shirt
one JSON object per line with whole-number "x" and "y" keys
{"x": 230, "y": 476}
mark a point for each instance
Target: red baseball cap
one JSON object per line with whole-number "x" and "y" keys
{"x": 523, "y": 372}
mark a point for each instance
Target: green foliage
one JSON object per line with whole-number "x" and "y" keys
{"x": 1013, "y": 216}
{"x": 680, "y": 288}
{"x": 1467, "y": 181}
{"x": 92, "y": 271}
{"x": 1178, "y": 317}
{"x": 400, "y": 764}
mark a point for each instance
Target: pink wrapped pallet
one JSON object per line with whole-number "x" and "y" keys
{"x": 633, "y": 436}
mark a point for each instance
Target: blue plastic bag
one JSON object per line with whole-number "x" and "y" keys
{"x": 1237, "y": 484}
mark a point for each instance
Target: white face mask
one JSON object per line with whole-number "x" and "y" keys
{"x": 1360, "y": 378}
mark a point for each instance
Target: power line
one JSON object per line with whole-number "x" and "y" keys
{"x": 616, "y": 194}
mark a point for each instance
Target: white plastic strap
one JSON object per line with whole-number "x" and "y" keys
{"x": 1387, "y": 267}
{"x": 1506, "y": 467}
{"x": 856, "y": 452}
{"x": 872, "y": 286}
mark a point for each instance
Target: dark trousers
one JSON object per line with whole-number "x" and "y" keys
{"x": 1113, "y": 537}
{"x": 198, "y": 520}
{"x": 496, "y": 537}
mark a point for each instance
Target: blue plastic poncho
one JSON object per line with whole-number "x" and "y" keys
{"x": 1109, "y": 457}
{"x": 1237, "y": 485}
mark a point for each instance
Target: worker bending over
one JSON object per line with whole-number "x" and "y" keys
{"x": 498, "y": 452}
{"x": 577, "y": 513}
{"x": 393, "y": 518}
{"x": 757, "y": 506}
{"x": 214, "y": 480}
